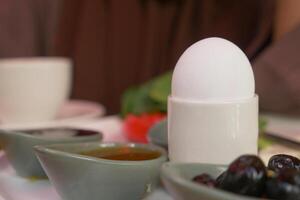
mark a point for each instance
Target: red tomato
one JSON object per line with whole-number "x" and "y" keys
{"x": 136, "y": 126}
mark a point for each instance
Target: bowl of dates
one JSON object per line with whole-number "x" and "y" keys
{"x": 245, "y": 178}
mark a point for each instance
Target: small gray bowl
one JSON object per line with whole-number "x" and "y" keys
{"x": 158, "y": 134}
{"x": 177, "y": 179}
{"x": 18, "y": 147}
{"x": 78, "y": 177}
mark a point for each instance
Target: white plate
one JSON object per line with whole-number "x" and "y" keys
{"x": 71, "y": 111}
{"x": 283, "y": 126}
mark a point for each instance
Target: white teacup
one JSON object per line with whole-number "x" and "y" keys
{"x": 33, "y": 89}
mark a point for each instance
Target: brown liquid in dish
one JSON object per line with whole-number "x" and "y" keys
{"x": 123, "y": 153}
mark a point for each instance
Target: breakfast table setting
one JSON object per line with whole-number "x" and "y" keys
{"x": 192, "y": 134}
{"x": 13, "y": 187}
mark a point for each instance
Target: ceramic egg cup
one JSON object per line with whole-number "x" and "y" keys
{"x": 213, "y": 133}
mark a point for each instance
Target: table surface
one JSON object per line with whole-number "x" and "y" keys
{"x": 13, "y": 187}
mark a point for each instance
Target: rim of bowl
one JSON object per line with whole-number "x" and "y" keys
{"x": 97, "y": 135}
{"x": 50, "y": 149}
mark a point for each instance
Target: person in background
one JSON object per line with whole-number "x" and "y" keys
{"x": 116, "y": 44}
{"x": 277, "y": 68}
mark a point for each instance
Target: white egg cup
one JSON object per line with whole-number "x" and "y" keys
{"x": 212, "y": 132}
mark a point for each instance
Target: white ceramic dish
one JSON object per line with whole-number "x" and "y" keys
{"x": 73, "y": 110}
{"x": 33, "y": 88}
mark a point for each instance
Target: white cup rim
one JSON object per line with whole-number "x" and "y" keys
{"x": 34, "y": 61}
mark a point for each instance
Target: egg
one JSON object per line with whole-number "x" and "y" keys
{"x": 213, "y": 70}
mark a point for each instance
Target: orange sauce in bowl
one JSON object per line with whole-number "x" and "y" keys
{"x": 123, "y": 153}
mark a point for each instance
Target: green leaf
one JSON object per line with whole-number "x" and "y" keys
{"x": 264, "y": 142}
{"x": 149, "y": 97}
{"x": 161, "y": 88}
{"x": 262, "y": 125}
{"x": 127, "y": 100}
{"x": 136, "y": 100}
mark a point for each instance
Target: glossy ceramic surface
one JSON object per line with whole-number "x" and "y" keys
{"x": 78, "y": 177}
{"x": 158, "y": 134}
{"x": 177, "y": 180}
{"x": 33, "y": 88}
{"x": 18, "y": 147}
{"x": 227, "y": 128}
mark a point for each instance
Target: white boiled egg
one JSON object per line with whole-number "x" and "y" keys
{"x": 213, "y": 69}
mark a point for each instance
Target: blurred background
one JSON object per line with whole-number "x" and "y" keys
{"x": 118, "y": 44}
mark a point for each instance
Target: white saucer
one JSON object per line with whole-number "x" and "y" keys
{"x": 282, "y": 126}
{"x": 71, "y": 111}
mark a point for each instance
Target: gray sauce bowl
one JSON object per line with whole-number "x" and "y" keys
{"x": 177, "y": 180}
{"x": 78, "y": 177}
{"x": 158, "y": 134}
{"x": 18, "y": 147}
